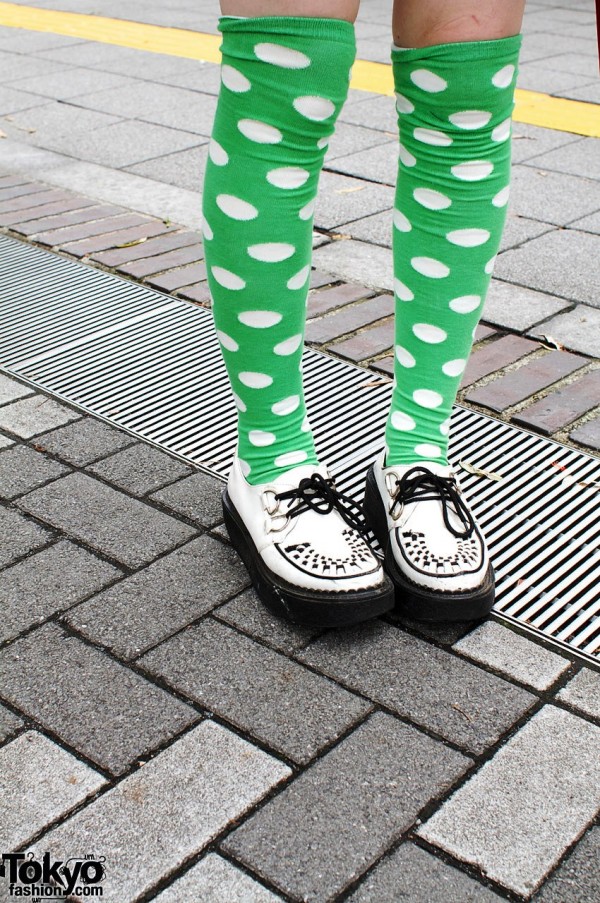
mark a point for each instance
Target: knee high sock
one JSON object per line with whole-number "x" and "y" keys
{"x": 283, "y": 83}
{"x": 454, "y": 104}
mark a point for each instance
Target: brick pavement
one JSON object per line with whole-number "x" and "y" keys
{"x": 157, "y": 712}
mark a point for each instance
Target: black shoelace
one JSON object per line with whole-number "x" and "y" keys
{"x": 321, "y": 495}
{"x": 420, "y": 485}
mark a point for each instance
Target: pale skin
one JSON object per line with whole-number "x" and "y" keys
{"x": 415, "y": 23}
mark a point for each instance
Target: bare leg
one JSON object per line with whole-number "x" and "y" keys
{"x": 421, "y": 23}
{"x": 332, "y": 9}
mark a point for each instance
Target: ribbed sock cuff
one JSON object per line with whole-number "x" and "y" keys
{"x": 316, "y": 27}
{"x": 461, "y": 51}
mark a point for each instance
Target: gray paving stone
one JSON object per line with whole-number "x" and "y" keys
{"x": 15, "y": 67}
{"x": 64, "y": 83}
{"x": 121, "y": 527}
{"x": 413, "y": 875}
{"x": 551, "y": 197}
{"x": 578, "y": 878}
{"x": 342, "y": 199}
{"x": 556, "y": 263}
{"x": 279, "y": 702}
{"x": 83, "y": 441}
{"x": 20, "y": 40}
{"x": 184, "y": 168}
{"x": 374, "y": 112}
{"x": 517, "y": 308}
{"x": 122, "y": 143}
{"x": 10, "y": 389}
{"x": 5, "y": 442}
{"x": 547, "y": 775}
{"x": 18, "y": 536}
{"x": 34, "y": 414}
{"x": 519, "y": 229}
{"x": 125, "y": 60}
{"x": 578, "y": 157}
{"x": 13, "y": 101}
{"x": 51, "y": 119}
{"x": 140, "y": 468}
{"x": 214, "y": 880}
{"x": 349, "y": 139}
{"x": 363, "y": 793}
{"x": 206, "y": 78}
{"x": 513, "y": 654}
{"x": 9, "y": 723}
{"x": 209, "y": 777}
{"x": 197, "y": 497}
{"x": 248, "y": 613}
{"x": 578, "y": 329}
{"x": 420, "y": 682}
{"x": 175, "y": 108}
{"x": 378, "y": 164}
{"x": 583, "y": 692}
{"x": 23, "y": 469}
{"x": 149, "y": 606}
{"x": 39, "y": 781}
{"x": 357, "y": 261}
{"x": 589, "y": 223}
{"x": 104, "y": 710}
{"x": 47, "y": 582}
{"x": 548, "y": 81}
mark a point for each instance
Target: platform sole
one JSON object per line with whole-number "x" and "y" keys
{"x": 303, "y": 606}
{"x": 412, "y": 600}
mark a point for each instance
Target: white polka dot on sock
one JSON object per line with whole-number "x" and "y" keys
{"x": 278, "y": 55}
{"x": 403, "y": 291}
{"x": 433, "y": 200}
{"x": 503, "y": 77}
{"x": 432, "y": 136}
{"x": 288, "y": 346}
{"x": 405, "y": 358}
{"x": 445, "y": 427}
{"x": 428, "y": 450}
{"x": 427, "y": 266}
{"x": 465, "y": 304}
{"x": 470, "y": 119}
{"x": 489, "y": 267}
{"x": 260, "y": 132}
{"x": 454, "y": 368}
{"x": 403, "y": 104}
{"x": 405, "y": 156}
{"x": 227, "y": 342}
{"x": 207, "y": 232}
{"x": 472, "y": 170}
{"x": 238, "y": 402}
{"x": 502, "y": 131}
{"x": 427, "y": 398}
{"x": 308, "y": 210}
{"x": 234, "y": 80}
{"x": 314, "y": 107}
{"x": 305, "y": 425}
{"x": 255, "y": 380}
{"x": 244, "y": 467}
{"x": 402, "y": 421}
{"x": 260, "y": 319}
{"x": 322, "y": 142}
{"x": 271, "y": 251}
{"x": 236, "y": 208}
{"x": 289, "y": 458}
{"x": 433, "y": 335}
{"x": 428, "y": 81}
{"x": 288, "y": 176}
{"x": 286, "y": 405}
{"x": 299, "y": 280}
{"x": 401, "y": 222}
{"x": 261, "y": 437}
{"x": 501, "y": 199}
{"x": 468, "y": 238}
{"x": 228, "y": 279}
{"x": 217, "y": 154}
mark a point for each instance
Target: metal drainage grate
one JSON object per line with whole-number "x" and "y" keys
{"x": 152, "y": 366}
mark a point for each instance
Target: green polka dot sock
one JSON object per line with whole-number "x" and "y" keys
{"x": 454, "y": 104}
{"x": 283, "y": 83}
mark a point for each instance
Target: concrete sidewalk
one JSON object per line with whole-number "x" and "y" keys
{"x": 154, "y": 717}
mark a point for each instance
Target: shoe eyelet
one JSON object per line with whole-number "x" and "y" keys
{"x": 395, "y": 515}
{"x": 268, "y": 506}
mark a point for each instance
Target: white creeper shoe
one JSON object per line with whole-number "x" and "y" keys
{"x": 304, "y": 545}
{"x": 434, "y": 550}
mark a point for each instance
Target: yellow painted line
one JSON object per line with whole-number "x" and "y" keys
{"x": 531, "y": 107}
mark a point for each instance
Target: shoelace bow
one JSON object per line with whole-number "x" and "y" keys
{"x": 420, "y": 485}
{"x": 321, "y": 495}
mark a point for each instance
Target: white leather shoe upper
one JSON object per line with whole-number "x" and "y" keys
{"x": 425, "y": 550}
{"x": 312, "y": 550}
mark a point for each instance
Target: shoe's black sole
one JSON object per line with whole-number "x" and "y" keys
{"x": 412, "y": 600}
{"x": 303, "y": 606}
